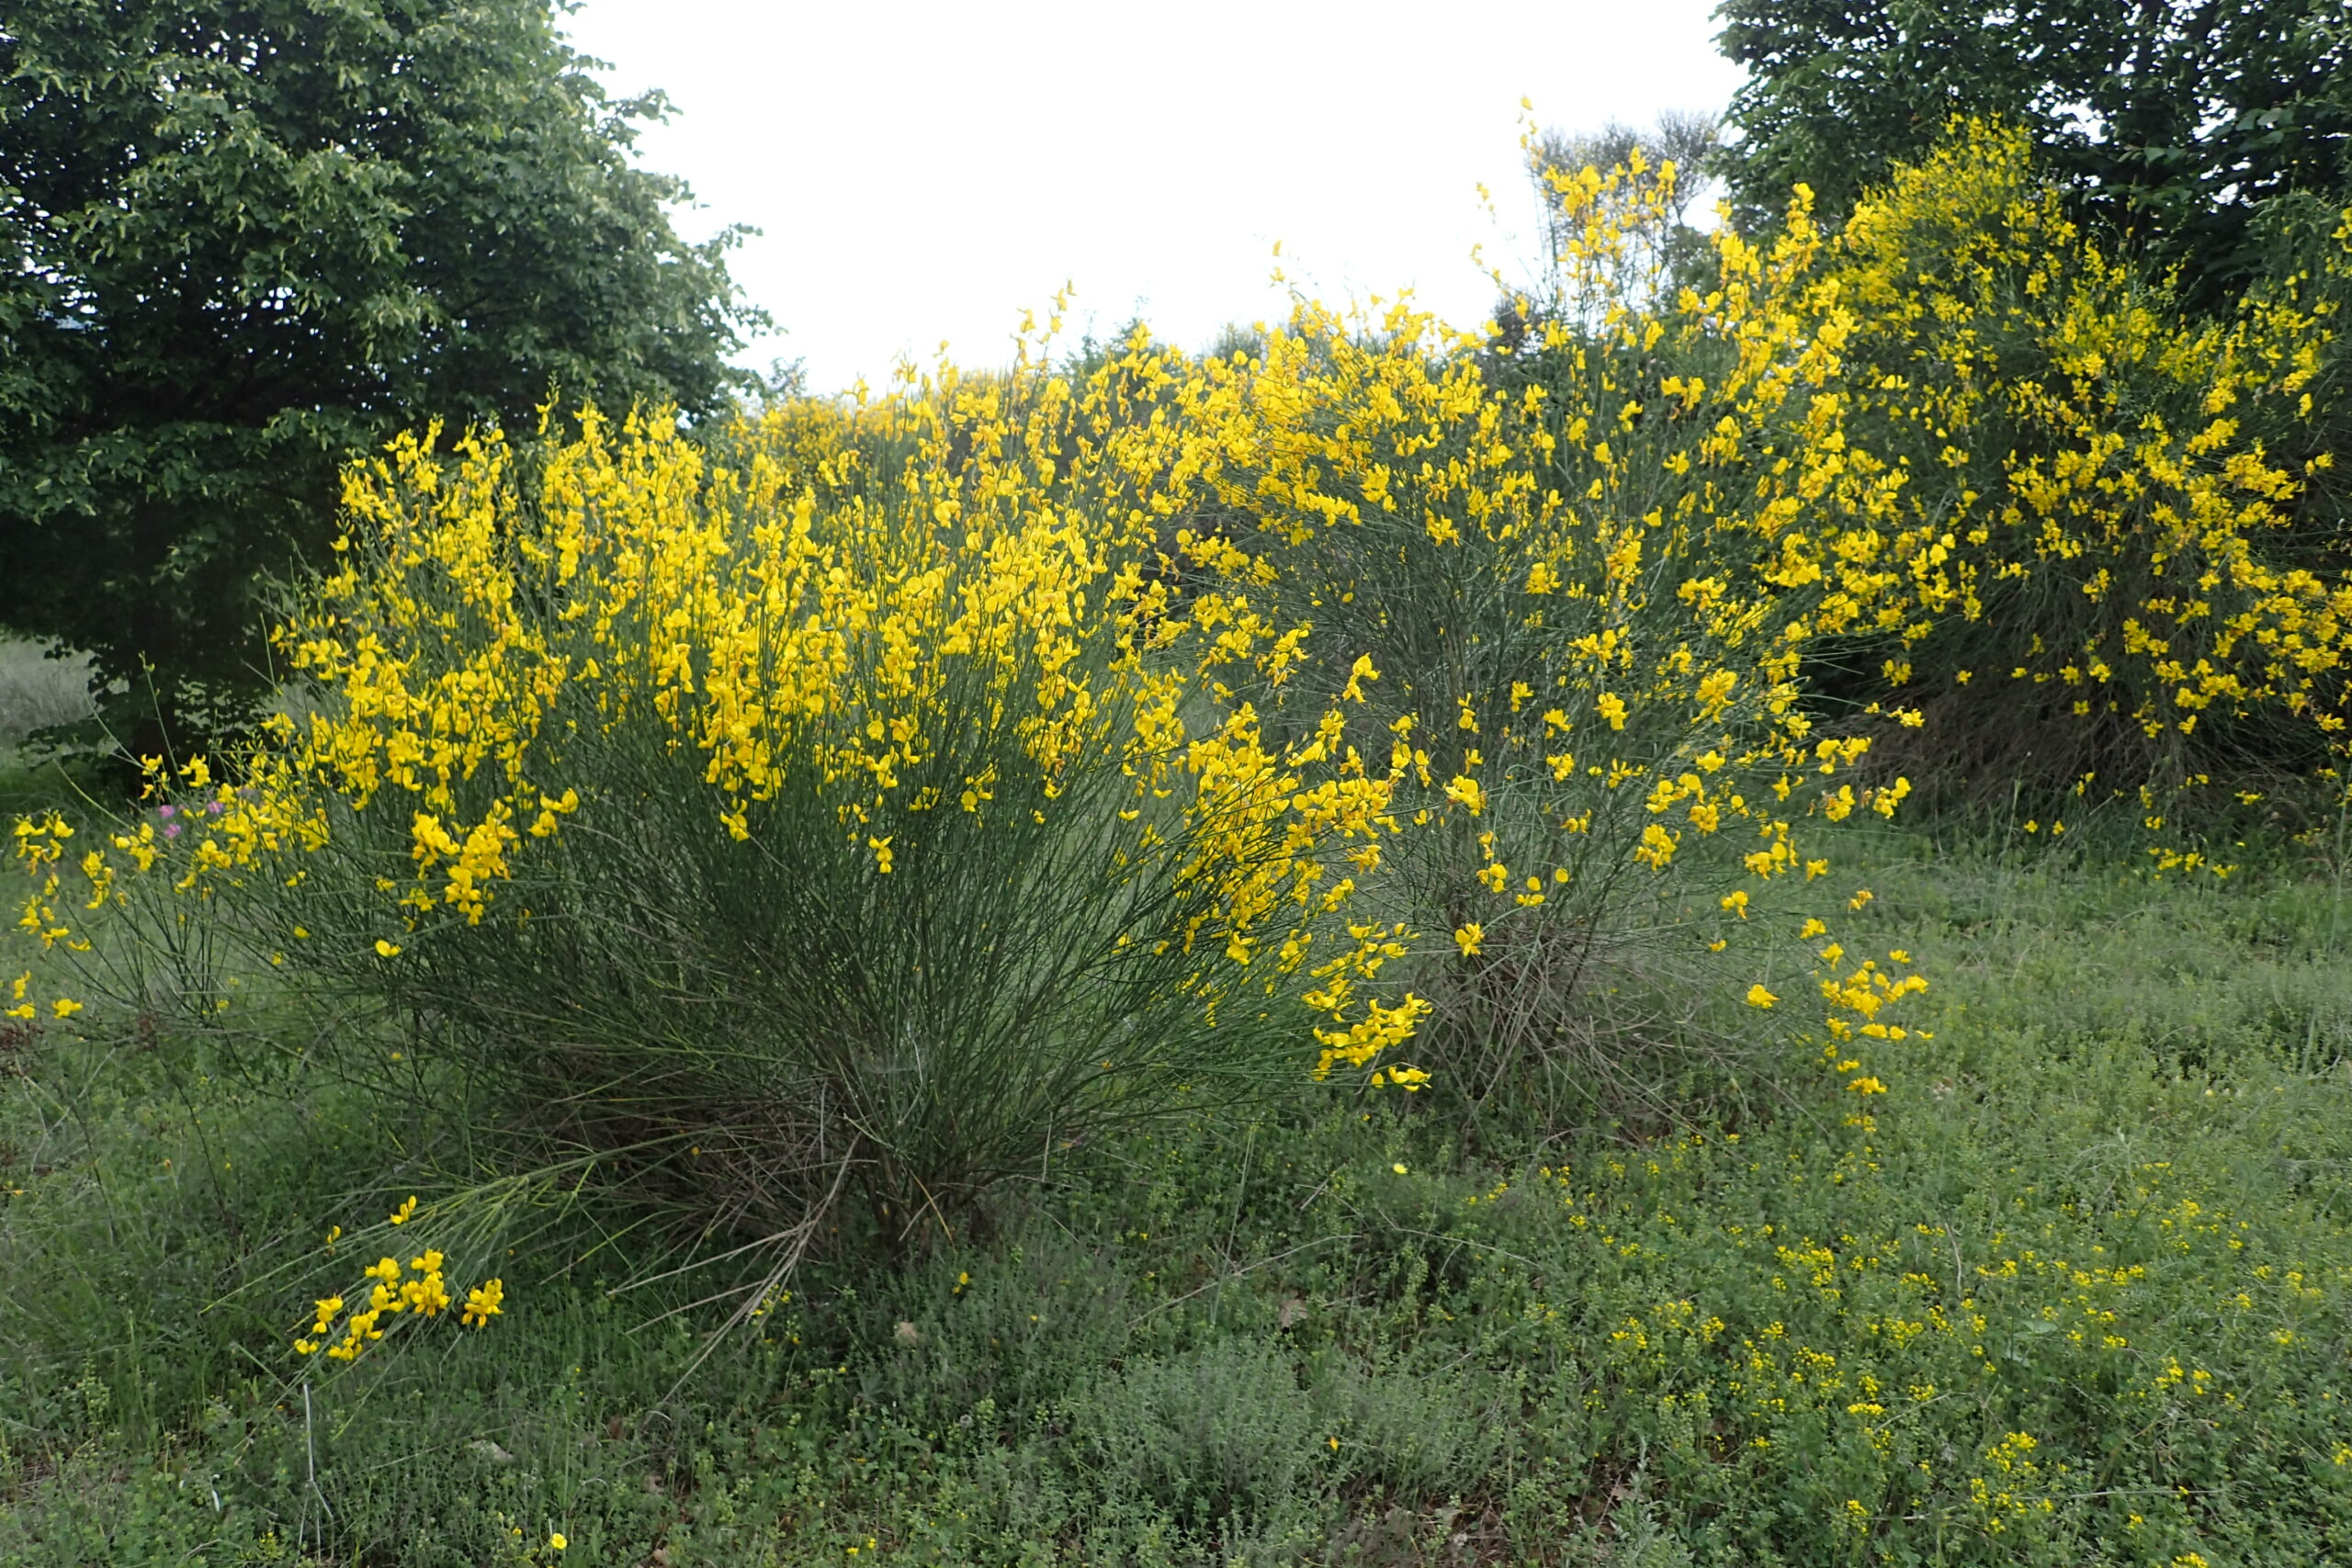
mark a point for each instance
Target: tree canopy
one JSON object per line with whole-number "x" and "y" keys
{"x": 2171, "y": 122}
{"x": 244, "y": 240}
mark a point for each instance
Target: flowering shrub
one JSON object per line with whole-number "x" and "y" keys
{"x": 764, "y": 836}
{"x": 2066, "y": 525}
{"x": 1539, "y": 561}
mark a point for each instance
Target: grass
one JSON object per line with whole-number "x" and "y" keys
{"x": 35, "y": 693}
{"x": 2075, "y": 1293}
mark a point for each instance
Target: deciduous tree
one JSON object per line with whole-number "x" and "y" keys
{"x": 2171, "y": 121}
{"x": 240, "y": 241}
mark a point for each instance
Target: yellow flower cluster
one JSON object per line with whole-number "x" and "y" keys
{"x": 421, "y": 1292}
{"x": 42, "y": 849}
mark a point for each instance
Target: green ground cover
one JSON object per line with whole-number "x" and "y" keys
{"x": 2074, "y": 1294}
{"x": 35, "y": 693}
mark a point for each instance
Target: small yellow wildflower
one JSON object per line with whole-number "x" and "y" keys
{"x": 483, "y": 1304}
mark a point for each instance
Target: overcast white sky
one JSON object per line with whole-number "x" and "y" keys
{"x": 923, "y": 171}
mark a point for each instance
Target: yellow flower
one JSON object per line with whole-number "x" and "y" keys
{"x": 401, "y": 1216}
{"x": 1468, "y": 938}
{"x": 557, "y": 1541}
{"x": 386, "y": 949}
{"x": 1399, "y": 1168}
{"x": 1757, "y": 996}
{"x": 483, "y": 1304}
{"x": 427, "y": 1296}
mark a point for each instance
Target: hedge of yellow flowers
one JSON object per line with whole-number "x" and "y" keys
{"x": 1069, "y": 741}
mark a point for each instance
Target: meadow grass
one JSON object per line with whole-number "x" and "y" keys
{"x": 35, "y": 693}
{"x": 2074, "y": 1294}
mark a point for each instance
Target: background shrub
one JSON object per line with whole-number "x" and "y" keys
{"x": 2095, "y": 561}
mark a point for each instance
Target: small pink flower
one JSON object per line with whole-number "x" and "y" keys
{"x": 165, "y": 812}
{"x": 171, "y": 830}
{"x": 212, "y": 808}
